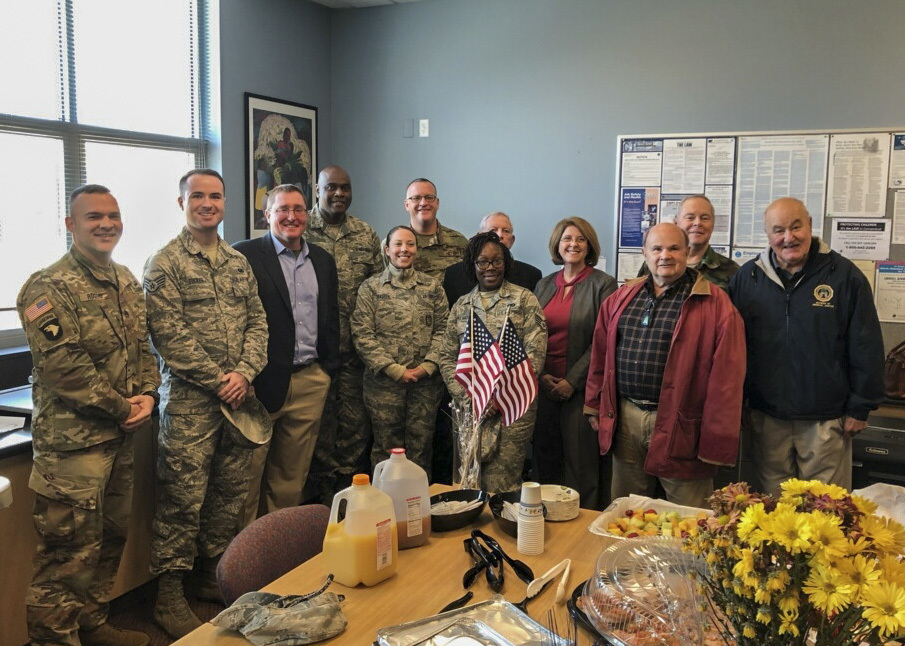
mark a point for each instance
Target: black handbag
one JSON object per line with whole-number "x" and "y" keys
{"x": 894, "y": 372}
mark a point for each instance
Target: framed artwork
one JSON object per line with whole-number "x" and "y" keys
{"x": 280, "y": 148}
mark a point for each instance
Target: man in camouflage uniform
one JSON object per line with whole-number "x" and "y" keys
{"x": 345, "y": 431}
{"x": 209, "y": 327}
{"x": 696, "y": 217}
{"x": 503, "y": 449}
{"x": 397, "y": 327}
{"x": 95, "y": 383}
{"x": 438, "y": 246}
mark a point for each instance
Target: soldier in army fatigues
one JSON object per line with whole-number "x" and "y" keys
{"x": 438, "y": 246}
{"x": 503, "y": 450}
{"x": 209, "y": 327}
{"x": 345, "y": 430}
{"x": 95, "y": 382}
{"x": 397, "y": 327}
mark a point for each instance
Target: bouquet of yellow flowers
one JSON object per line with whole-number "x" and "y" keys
{"x": 814, "y": 561}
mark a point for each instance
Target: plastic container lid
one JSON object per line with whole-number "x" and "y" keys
{"x": 361, "y": 479}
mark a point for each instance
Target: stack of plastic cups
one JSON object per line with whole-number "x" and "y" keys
{"x": 530, "y": 521}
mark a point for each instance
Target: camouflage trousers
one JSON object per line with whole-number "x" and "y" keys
{"x": 82, "y": 505}
{"x": 344, "y": 439}
{"x": 202, "y": 483}
{"x": 502, "y": 470}
{"x": 403, "y": 415}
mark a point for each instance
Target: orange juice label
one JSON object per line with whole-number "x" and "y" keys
{"x": 384, "y": 544}
{"x": 413, "y": 516}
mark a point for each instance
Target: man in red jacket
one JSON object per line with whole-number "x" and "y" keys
{"x": 664, "y": 389}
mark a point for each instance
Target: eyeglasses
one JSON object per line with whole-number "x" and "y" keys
{"x": 286, "y": 210}
{"x": 647, "y": 313}
{"x": 496, "y": 263}
{"x": 417, "y": 198}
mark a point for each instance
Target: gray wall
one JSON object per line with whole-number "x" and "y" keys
{"x": 526, "y": 97}
{"x": 279, "y": 49}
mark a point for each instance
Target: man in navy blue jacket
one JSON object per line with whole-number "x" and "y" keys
{"x": 815, "y": 352}
{"x": 297, "y": 283}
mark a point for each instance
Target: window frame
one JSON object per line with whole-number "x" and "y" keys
{"x": 75, "y": 136}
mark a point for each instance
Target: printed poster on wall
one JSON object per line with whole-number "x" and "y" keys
{"x": 889, "y": 289}
{"x": 897, "y": 161}
{"x": 862, "y": 239}
{"x": 684, "y": 161}
{"x": 637, "y": 213}
{"x": 859, "y": 167}
{"x": 641, "y": 162}
{"x": 774, "y": 166}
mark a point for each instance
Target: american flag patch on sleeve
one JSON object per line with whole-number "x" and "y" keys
{"x": 37, "y": 308}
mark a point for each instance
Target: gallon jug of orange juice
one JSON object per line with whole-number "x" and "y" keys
{"x": 362, "y": 548}
{"x": 406, "y": 484}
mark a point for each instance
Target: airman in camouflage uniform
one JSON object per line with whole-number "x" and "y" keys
{"x": 397, "y": 327}
{"x": 95, "y": 382}
{"x": 345, "y": 430}
{"x": 503, "y": 450}
{"x": 209, "y": 327}
{"x": 438, "y": 246}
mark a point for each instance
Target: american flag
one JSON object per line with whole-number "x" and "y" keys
{"x": 479, "y": 365}
{"x": 518, "y": 385}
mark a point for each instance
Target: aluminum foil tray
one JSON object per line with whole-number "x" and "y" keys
{"x": 494, "y": 622}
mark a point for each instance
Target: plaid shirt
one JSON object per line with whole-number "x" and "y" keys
{"x": 644, "y": 336}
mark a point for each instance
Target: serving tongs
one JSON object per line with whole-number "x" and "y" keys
{"x": 521, "y": 569}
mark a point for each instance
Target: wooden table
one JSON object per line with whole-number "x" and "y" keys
{"x": 430, "y": 576}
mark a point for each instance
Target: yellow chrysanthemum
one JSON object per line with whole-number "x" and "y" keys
{"x": 861, "y": 544}
{"x": 749, "y": 523}
{"x": 828, "y": 589}
{"x": 884, "y": 608}
{"x": 764, "y": 614}
{"x": 748, "y": 630}
{"x": 787, "y": 625}
{"x": 893, "y": 569}
{"x": 864, "y": 505}
{"x": 745, "y": 564}
{"x": 796, "y": 487}
{"x": 777, "y": 580}
{"x": 827, "y": 536}
{"x": 877, "y": 530}
{"x": 789, "y": 529}
{"x": 762, "y": 595}
{"x": 861, "y": 571}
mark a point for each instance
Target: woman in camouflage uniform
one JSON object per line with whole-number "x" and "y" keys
{"x": 488, "y": 262}
{"x": 397, "y": 327}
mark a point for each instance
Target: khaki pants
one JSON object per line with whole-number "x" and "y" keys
{"x": 809, "y": 449}
{"x": 633, "y": 435}
{"x": 280, "y": 469}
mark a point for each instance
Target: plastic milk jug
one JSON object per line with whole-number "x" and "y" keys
{"x": 406, "y": 484}
{"x": 362, "y": 548}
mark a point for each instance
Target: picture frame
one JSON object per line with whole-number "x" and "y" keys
{"x": 280, "y": 148}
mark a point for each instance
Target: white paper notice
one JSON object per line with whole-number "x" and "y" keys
{"x": 889, "y": 289}
{"x": 863, "y": 239}
{"x": 897, "y": 162}
{"x": 683, "y": 165}
{"x": 641, "y": 161}
{"x": 669, "y": 207}
{"x": 868, "y": 268}
{"x": 629, "y": 266}
{"x": 720, "y": 160}
{"x": 898, "y": 218}
{"x": 774, "y": 166}
{"x": 721, "y": 198}
{"x": 859, "y": 167}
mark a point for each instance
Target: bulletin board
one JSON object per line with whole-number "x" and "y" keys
{"x": 852, "y": 181}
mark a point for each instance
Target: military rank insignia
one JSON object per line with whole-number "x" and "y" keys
{"x": 151, "y": 285}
